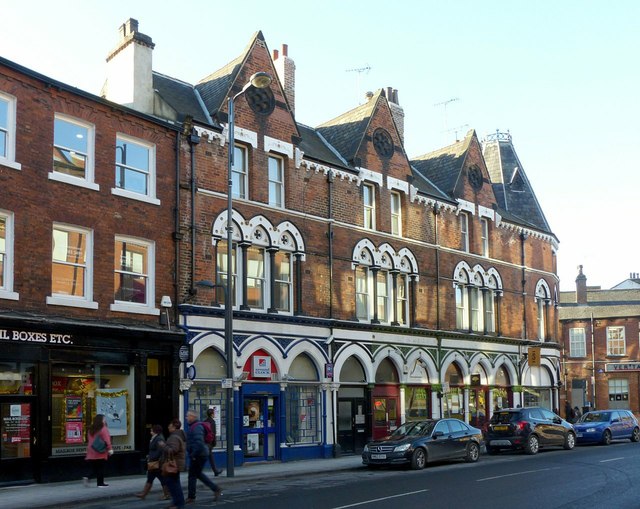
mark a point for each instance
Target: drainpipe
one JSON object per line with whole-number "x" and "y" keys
{"x": 436, "y": 213}
{"x": 194, "y": 139}
{"x": 523, "y": 238}
{"x": 593, "y": 366}
{"x": 330, "y": 179}
{"x": 177, "y": 236}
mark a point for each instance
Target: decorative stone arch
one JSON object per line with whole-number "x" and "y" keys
{"x": 289, "y": 361}
{"x": 261, "y": 343}
{"x": 504, "y": 361}
{"x": 494, "y": 281}
{"x": 387, "y": 257}
{"x": 454, "y": 358}
{"x": 539, "y": 377}
{"x": 258, "y": 231}
{"x": 207, "y": 339}
{"x": 364, "y": 254}
{"x": 420, "y": 361}
{"x": 481, "y": 360}
{"x": 393, "y": 355}
{"x": 384, "y": 256}
{"x": 408, "y": 262}
{"x": 479, "y": 276}
{"x": 288, "y": 238}
{"x": 542, "y": 290}
{"x": 306, "y": 346}
{"x": 462, "y": 274}
{"x": 219, "y": 229}
{"x": 360, "y": 354}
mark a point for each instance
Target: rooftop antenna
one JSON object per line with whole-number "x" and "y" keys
{"x": 359, "y": 70}
{"x": 456, "y": 130}
{"x": 444, "y": 105}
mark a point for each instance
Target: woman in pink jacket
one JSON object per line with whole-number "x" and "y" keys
{"x": 97, "y": 456}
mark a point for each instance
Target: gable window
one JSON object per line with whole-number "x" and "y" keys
{"x": 577, "y": 342}
{"x": 616, "y": 344}
{"x": 73, "y": 146}
{"x": 71, "y": 267}
{"x": 135, "y": 169}
{"x": 239, "y": 175}
{"x": 369, "y": 199}
{"x": 396, "y": 214}
{"x": 484, "y": 236}
{"x": 133, "y": 282}
{"x": 464, "y": 232}
{"x": 6, "y": 256}
{"x": 8, "y": 131}
{"x": 276, "y": 182}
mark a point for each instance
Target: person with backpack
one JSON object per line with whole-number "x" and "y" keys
{"x": 212, "y": 442}
{"x": 198, "y": 452}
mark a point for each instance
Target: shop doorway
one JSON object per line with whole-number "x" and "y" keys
{"x": 352, "y": 424}
{"x": 259, "y": 434}
{"x": 17, "y": 429}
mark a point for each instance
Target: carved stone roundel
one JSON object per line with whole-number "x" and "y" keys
{"x": 260, "y": 100}
{"x": 383, "y": 143}
{"x": 475, "y": 178}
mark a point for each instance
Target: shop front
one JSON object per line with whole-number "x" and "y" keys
{"x": 53, "y": 383}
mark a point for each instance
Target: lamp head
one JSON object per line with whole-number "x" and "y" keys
{"x": 260, "y": 80}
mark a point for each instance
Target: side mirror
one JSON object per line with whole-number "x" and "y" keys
{"x": 614, "y": 421}
{"x": 557, "y": 420}
{"x": 437, "y": 434}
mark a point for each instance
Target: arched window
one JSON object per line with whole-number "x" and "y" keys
{"x": 476, "y": 293}
{"x": 543, "y": 301}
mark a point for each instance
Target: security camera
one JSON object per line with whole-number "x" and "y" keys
{"x": 165, "y": 302}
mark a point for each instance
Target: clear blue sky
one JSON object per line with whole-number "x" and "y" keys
{"x": 561, "y": 76}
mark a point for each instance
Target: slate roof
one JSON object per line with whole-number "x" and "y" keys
{"x": 347, "y": 131}
{"x": 511, "y": 187}
{"x": 315, "y": 147}
{"x": 442, "y": 167}
{"x": 602, "y": 303}
{"x": 181, "y": 96}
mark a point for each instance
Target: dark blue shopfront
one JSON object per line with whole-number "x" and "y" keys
{"x": 260, "y": 416}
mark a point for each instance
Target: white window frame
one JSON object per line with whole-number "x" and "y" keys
{"x": 612, "y": 350}
{"x": 277, "y": 184}
{"x": 484, "y": 236}
{"x": 236, "y": 289}
{"x": 476, "y": 304}
{"x": 6, "y": 290}
{"x": 261, "y": 279}
{"x": 283, "y": 282}
{"x": 9, "y": 159}
{"x": 464, "y": 232}
{"x": 240, "y": 173}
{"x": 383, "y": 282}
{"x": 88, "y": 181}
{"x": 577, "y": 342}
{"x": 489, "y": 298}
{"x": 150, "y": 197}
{"x": 148, "y": 308}
{"x": 369, "y": 206}
{"x": 396, "y": 213}
{"x": 402, "y": 300}
{"x": 462, "y": 307}
{"x": 85, "y": 301}
{"x": 363, "y": 274}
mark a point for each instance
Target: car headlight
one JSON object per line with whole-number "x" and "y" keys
{"x": 402, "y": 448}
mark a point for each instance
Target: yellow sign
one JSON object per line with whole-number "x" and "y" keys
{"x": 534, "y": 356}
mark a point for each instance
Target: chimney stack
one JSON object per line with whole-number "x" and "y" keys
{"x": 129, "y": 69}
{"x": 581, "y": 287}
{"x": 396, "y": 111}
{"x": 286, "y": 69}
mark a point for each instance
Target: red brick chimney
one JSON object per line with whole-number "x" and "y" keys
{"x": 581, "y": 287}
{"x": 286, "y": 69}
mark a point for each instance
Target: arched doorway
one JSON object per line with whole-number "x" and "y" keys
{"x": 386, "y": 400}
{"x": 478, "y": 397}
{"x": 352, "y": 411}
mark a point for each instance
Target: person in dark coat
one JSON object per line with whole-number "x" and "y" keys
{"x": 175, "y": 446}
{"x": 156, "y": 444}
{"x": 214, "y": 429}
{"x": 198, "y": 452}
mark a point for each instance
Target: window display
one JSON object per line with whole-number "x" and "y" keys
{"x": 302, "y": 409}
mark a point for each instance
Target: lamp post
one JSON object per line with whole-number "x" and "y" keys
{"x": 258, "y": 80}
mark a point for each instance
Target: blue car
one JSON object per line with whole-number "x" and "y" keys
{"x": 604, "y": 426}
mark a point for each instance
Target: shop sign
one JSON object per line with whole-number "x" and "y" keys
{"x": 624, "y": 366}
{"x": 328, "y": 370}
{"x": 261, "y": 366}
{"x": 25, "y": 336}
{"x": 475, "y": 380}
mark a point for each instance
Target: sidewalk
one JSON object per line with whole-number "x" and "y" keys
{"x": 66, "y": 494}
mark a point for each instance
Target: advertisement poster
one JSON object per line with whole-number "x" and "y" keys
{"x": 113, "y": 404}
{"x": 74, "y": 408}
{"x": 16, "y": 431}
{"x": 73, "y": 432}
{"x": 253, "y": 444}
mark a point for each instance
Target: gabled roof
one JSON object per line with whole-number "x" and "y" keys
{"x": 425, "y": 186}
{"x": 314, "y": 146}
{"x": 600, "y": 303}
{"x": 443, "y": 166}
{"x": 181, "y": 96}
{"x": 511, "y": 186}
{"x": 347, "y": 131}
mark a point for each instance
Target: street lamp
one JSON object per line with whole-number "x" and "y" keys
{"x": 258, "y": 80}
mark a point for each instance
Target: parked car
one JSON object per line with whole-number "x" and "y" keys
{"x": 529, "y": 429}
{"x": 421, "y": 442}
{"x": 603, "y": 426}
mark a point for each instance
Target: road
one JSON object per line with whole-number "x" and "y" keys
{"x": 588, "y": 476}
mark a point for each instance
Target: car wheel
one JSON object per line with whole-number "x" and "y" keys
{"x": 533, "y": 445}
{"x": 492, "y": 450}
{"x": 635, "y": 436}
{"x": 606, "y": 437}
{"x": 569, "y": 441}
{"x": 418, "y": 459}
{"x": 473, "y": 453}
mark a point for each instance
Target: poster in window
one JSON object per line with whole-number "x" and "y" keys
{"x": 113, "y": 404}
{"x": 73, "y": 408}
{"x": 73, "y": 432}
{"x": 253, "y": 444}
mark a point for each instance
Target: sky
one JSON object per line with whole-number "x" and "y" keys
{"x": 560, "y": 76}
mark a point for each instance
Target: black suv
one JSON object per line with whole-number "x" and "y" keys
{"x": 529, "y": 429}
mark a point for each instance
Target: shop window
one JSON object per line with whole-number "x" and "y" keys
{"x": 205, "y": 395}
{"x": 17, "y": 378}
{"x": 619, "y": 393}
{"x": 79, "y": 392}
{"x": 303, "y": 411}
{"x": 416, "y": 403}
{"x": 73, "y": 152}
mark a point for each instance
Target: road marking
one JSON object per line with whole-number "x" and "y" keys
{"x": 515, "y": 473}
{"x": 380, "y": 499}
{"x": 612, "y": 459}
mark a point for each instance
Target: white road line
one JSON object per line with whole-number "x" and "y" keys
{"x": 612, "y": 459}
{"x": 380, "y": 499}
{"x": 515, "y": 473}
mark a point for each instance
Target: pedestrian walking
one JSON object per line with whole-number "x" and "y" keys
{"x": 98, "y": 450}
{"x": 577, "y": 413}
{"x": 175, "y": 448}
{"x": 198, "y": 452}
{"x": 214, "y": 430}
{"x": 156, "y": 445}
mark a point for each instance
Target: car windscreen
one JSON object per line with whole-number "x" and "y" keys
{"x": 596, "y": 417}
{"x": 504, "y": 417}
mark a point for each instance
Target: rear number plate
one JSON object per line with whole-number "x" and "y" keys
{"x": 501, "y": 427}
{"x": 378, "y": 456}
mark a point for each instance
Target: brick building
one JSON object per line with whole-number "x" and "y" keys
{"x": 87, "y": 211}
{"x": 368, "y": 288}
{"x": 600, "y": 345}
